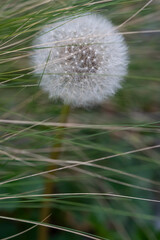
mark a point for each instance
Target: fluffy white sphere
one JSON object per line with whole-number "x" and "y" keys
{"x": 81, "y": 61}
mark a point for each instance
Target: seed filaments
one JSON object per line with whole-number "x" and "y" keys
{"x": 80, "y": 58}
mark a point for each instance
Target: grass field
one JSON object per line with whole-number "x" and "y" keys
{"x": 106, "y": 178}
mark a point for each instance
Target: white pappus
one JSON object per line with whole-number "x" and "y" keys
{"x": 81, "y": 61}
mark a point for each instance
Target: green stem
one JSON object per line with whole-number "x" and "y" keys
{"x": 43, "y": 232}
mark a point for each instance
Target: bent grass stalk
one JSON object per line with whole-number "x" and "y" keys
{"x": 43, "y": 232}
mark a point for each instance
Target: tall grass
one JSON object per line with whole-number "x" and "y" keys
{"x": 106, "y": 181}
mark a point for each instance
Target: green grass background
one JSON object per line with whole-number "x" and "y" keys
{"x": 24, "y": 149}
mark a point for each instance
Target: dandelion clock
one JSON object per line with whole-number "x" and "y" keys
{"x": 81, "y": 61}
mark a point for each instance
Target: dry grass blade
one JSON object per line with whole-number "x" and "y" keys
{"x": 77, "y": 125}
{"x": 20, "y": 233}
{"x": 51, "y": 226}
{"x": 135, "y": 14}
{"x": 81, "y": 194}
{"x": 83, "y": 163}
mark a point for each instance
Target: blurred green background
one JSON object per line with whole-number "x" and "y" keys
{"x": 25, "y": 146}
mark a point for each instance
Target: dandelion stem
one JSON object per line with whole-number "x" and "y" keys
{"x": 43, "y": 232}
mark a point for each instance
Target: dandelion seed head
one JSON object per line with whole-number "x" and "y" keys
{"x": 83, "y": 63}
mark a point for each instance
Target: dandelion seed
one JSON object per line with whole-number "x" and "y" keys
{"x": 96, "y": 61}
